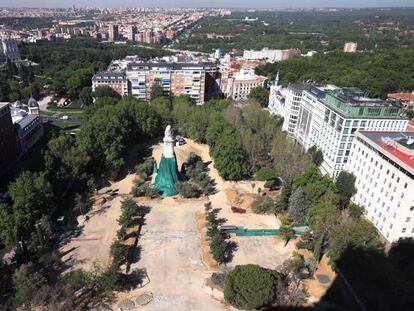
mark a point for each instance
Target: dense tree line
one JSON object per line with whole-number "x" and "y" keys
{"x": 63, "y": 68}
{"x": 319, "y": 31}
{"x": 377, "y": 73}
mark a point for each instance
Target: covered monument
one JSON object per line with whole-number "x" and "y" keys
{"x": 166, "y": 175}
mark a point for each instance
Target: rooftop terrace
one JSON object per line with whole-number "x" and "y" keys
{"x": 353, "y": 103}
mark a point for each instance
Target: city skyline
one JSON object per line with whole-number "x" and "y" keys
{"x": 213, "y": 3}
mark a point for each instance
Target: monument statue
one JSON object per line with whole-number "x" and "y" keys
{"x": 168, "y": 133}
{"x": 167, "y": 172}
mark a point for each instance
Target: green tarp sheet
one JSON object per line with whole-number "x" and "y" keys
{"x": 167, "y": 177}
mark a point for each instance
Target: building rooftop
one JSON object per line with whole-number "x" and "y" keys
{"x": 351, "y": 102}
{"x": 402, "y": 96}
{"x": 397, "y": 146}
{"x": 25, "y": 121}
{"x": 299, "y": 87}
{"x": 169, "y": 66}
{"x": 115, "y": 75}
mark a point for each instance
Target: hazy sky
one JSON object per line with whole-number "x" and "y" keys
{"x": 208, "y": 3}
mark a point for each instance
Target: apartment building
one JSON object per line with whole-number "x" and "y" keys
{"x": 116, "y": 80}
{"x": 328, "y": 118}
{"x": 293, "y": 99}
{"x": 193, "y": 79}
{"x": 239, "y": 84}
{"x": 270, "y": 55}
{"x": 383, "y": 163}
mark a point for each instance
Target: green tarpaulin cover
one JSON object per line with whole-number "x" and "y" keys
{"x": 167, "y": 177}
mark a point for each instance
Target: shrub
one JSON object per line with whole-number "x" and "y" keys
{"x": 250, "y": 287}
{"x": 218, "y": 278}
{"x": 145, "y": 190}
{"x": 145, "y": 169}
{"x": 273, "y": 183}
{"x": 218, "y": 247}
{"x": 119, "y": 253}
{"x": 263, "y": 205}
{"x": 265, "y": 173}
{"x": 187, "y": 189}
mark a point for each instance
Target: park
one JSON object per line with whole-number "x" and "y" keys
{"x": 174, "y": 263}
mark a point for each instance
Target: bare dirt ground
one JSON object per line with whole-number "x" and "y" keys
{"x": 171, "y": 257}
{"x": 265, "y": 251}
{"x": 99, "y": 231}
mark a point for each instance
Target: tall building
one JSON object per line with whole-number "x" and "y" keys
{"x": 11, "y": 50}
{"x": 383, "y": 163}
{"x": 8, "y": 141}
{"x": 115, "y": 80}
{"x": 113, "y": 32}
{"x": 239, "y": 85}
{"x": 132, "y": 31}
{"x": 293, "y": 98}
{"x": 196, "y": 80}
{"x": 350, "y": 47}
{"x": 329, "y": 117}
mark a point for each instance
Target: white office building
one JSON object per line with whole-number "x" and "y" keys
{"x": 277, "y": 99}
{"x": 383, "y": 163}
{"x": 329, "y": 117}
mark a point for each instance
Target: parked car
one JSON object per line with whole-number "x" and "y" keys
{"x": 179, "y": 140}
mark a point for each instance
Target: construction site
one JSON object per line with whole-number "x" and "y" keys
{"x": 175, "y": 262}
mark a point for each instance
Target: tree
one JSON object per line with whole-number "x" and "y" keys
{"x": 285, "y": 195}
{"x": 156, "y": 91}
{"x": 218, "y": 246}
{"x": 226, "y": 150}
{"x": 85, "y": 96}
{"x": 265, "y": 173}
{"x": 297, "y": 208}
{"x": 105, "y": 91}
{"x": 345, "y": 183}
{"x": 187, "y": 189}
{"x": 81, "y": 203}
{"x": 316, "y": 187}
{"x": 260, "y": 94}
{"x": 32, "y": 196}
{"x": 263, "y": 205}
{"x": 355, "y": 210}
{"x": 316, "y": 155}
{"x": 27, "y": 280}
{"x": 286, "y": 233}
{"x": 250, "y": 287}
{"x": 353, "y": 234}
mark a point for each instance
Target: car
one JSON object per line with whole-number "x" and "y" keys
{"x": 179, "y": 140}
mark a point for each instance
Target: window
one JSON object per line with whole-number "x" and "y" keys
{"x": 391, "y": 226}
{"x": 411, "y": 208}
{"x": 403, "y": 230}
{"x": 408, "y": 219}
{"x": 405, "y": 186}
{"x": 398, "y": 179}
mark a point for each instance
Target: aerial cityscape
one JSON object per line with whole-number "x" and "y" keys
{"x": 207, "y": 155}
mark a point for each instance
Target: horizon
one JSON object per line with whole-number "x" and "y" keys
{"x": 236, "y": 4}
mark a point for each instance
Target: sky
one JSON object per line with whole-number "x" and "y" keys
{"x": 208, "y": 3}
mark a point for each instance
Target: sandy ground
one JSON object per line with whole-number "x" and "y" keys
{"x": 99, "y": 231}
{"x": 172, "y": 258}
{"x": 265, "y": 251}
